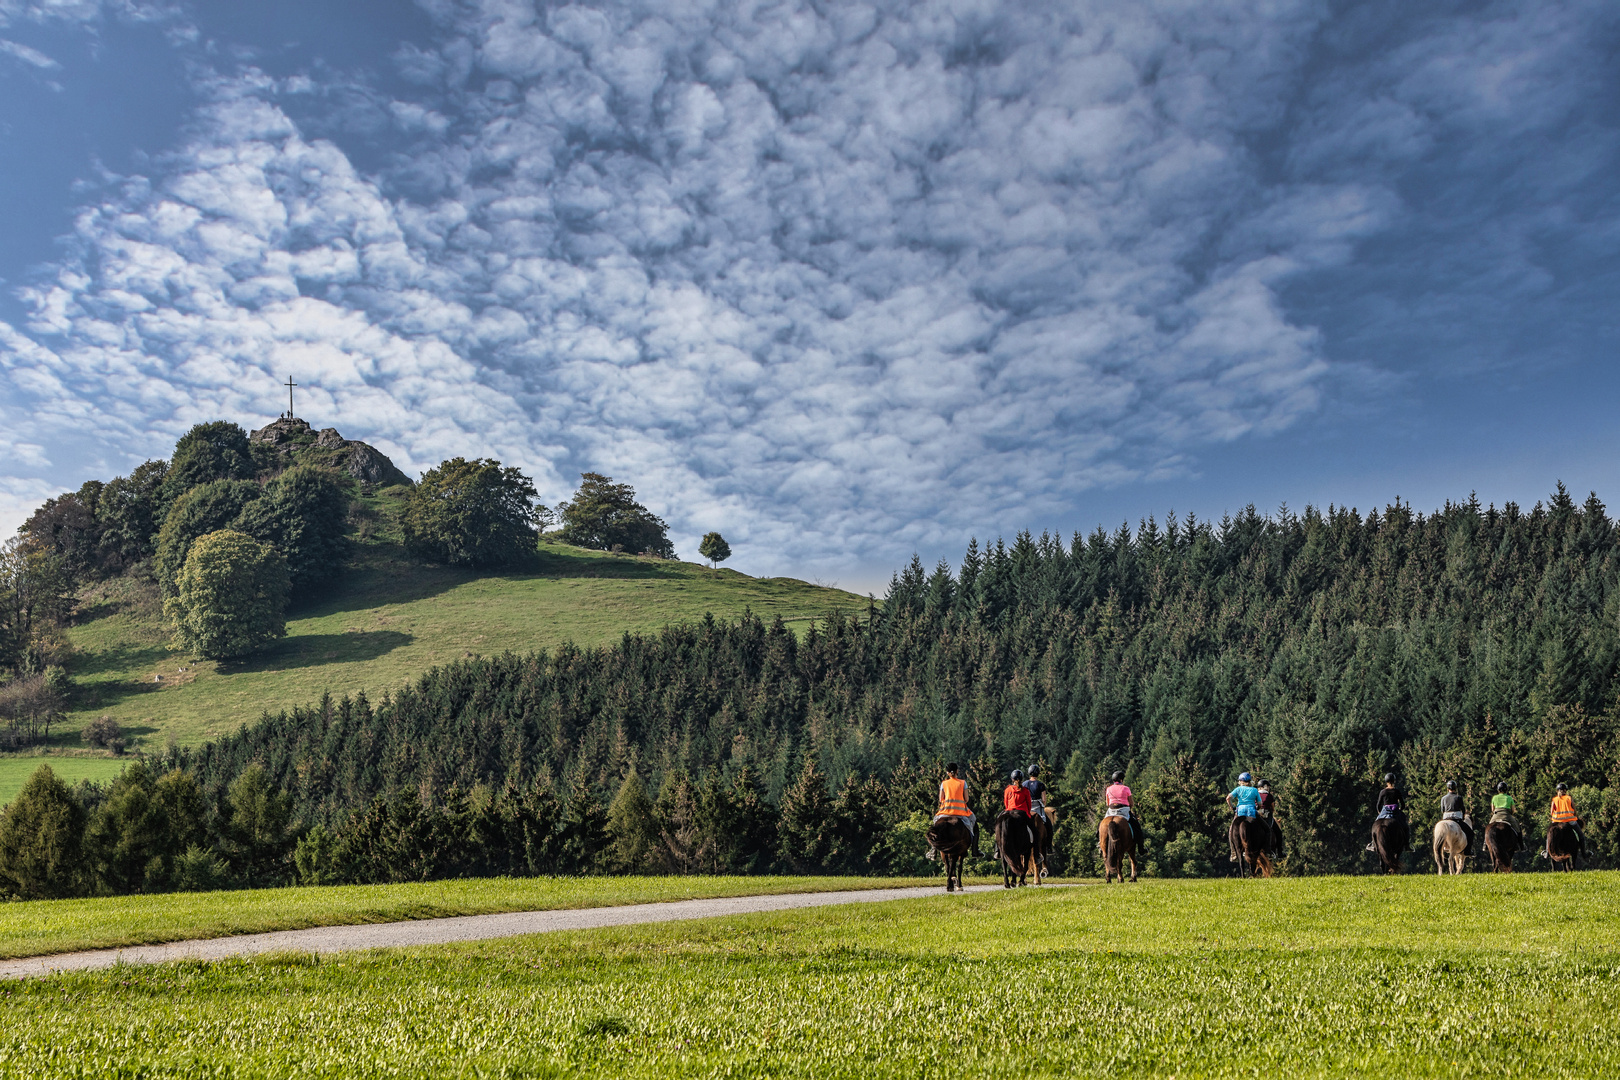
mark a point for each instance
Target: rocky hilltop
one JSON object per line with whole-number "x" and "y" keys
{"x": 304, "y": 445}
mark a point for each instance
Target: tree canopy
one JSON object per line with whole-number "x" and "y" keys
{"x": 606, "y": 516}
{"x": 473, "y": 513}
{"x": 230, "y": 598}
{"x": 714, "y": 548}
{"x": 214, "y": 451}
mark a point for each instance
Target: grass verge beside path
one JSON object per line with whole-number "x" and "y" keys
{"x": 45, "y": 927}
{"x": 1417, "y": 977}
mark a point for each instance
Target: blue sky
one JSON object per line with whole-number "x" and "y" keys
{"x": 842, "y": 281}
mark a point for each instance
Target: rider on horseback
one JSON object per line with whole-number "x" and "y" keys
{"x": 1502, "y": 810}
{"x": 1244, "y": 802}
{"x": 1451, "y": 809}
{"x": 1015, "y": 801}
{"x": 1387, "y": 804}
{"x": 1563, "y": 813}
{"x": 1037, "y": 802}
{"x": 953, "y": 803}
{"x": 1117, "y": 802}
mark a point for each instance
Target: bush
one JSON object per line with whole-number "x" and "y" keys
{"x": 41, "y": 833}
{"x": 230, "y": 598}
{"x": 104, "y": 733}
{"x": 473, "y": 513}
{"x": 606, "y": 516}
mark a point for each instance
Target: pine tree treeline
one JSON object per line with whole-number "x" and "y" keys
{"x": 1317, "y": 650}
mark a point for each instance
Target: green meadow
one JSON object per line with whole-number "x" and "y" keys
{"x": 1416, "y": 976}
{"x": 389, "y": 621}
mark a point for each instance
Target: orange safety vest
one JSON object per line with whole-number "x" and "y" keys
{"x": 953, "y": 798}
{"x": 1563, "y": 809}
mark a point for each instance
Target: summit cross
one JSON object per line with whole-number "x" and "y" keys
{"x": 290, "y": 385}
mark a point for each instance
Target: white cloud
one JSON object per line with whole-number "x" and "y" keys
{"x": 838, "y": 280}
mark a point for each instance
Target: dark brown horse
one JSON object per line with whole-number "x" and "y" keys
{"x": 953, "y": 839}
{"x": 1044, "y": 827}
{"x": 1117, "y": 843}
{"x": 1501, "y": 843}
{"x": 1251, "y": 836}
{"x": 1391, "y": 837}
{"x": 1563, "y": 847}
{"x": 1016, "y": 846}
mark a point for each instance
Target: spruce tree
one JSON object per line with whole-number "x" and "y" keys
{"x": 41, "y": 837}
{"x": 808, "y": 828}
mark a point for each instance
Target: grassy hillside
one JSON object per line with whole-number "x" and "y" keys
{"x": 389, "y": 620}
{"x": 1321, "y": 977}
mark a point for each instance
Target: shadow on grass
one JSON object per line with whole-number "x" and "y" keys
{"x": 119, "y": 658}
{"x": 314, "y": 650}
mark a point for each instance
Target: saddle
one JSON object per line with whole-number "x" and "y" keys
{"x": 1119, "y": 812}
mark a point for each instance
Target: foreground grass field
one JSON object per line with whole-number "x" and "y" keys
{"x": 40, "y": 927}
{"x": 389, "y": 621}
{"x": 1478, "y": 976}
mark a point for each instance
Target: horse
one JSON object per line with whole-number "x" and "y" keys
{"x": 1117, "y": 843}
{"x": 1251, "y": 836}
{"x": 1450, "y": 846}
{"x": 1016, "y": 847}
{"x": 1562, "y": 846}
{"x": 953, "y": 839}
{"x": 1391, "y": 837}
{"x": 1044, "y": 827}
{"x": 1502, "y": 843}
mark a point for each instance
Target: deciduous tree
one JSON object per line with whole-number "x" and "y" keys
{"x": 230, "y": 598}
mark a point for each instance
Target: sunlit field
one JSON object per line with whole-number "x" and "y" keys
{"x": 1477, "y": 976}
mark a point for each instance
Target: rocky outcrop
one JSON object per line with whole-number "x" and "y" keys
{"x": 295, "y": 438}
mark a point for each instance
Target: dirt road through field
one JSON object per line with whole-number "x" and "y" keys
{"x": 325, "y": 939}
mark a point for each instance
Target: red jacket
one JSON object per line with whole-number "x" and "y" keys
{"x": 1016, "y": 797}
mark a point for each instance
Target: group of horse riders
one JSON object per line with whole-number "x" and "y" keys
{"x": 1025, "y": 797}
{"x": 1389, "y": 802}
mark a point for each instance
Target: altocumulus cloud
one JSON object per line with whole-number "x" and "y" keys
{"x": 840, "y": 279}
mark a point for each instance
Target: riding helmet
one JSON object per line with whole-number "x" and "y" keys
{"x": 1563, "y": 787}
{"x": 951, "y": 767}
{"x": 1451, "y": 785}
{"x": 1501, "y": 785}
{"x": 1117, "y": 778}
{"x": 1389, "y": 778}
{"x": 1017, "y": 775}
{"x": 1244, "y": 778}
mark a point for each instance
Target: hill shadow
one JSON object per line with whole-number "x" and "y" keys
{"x": 315, "y": 650}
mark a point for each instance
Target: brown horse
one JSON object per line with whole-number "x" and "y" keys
{"x": 953, "y": 839}
{"x": 1391, "y": 837}
{"x": 1016, "y": 846}
{"x": 1252, "y": 838}
{"x": 1501, "y": 843}
{"x": 1562, "y": 847}
{"x": 1117, "y": 843}
{"x": 1044, "y": 827}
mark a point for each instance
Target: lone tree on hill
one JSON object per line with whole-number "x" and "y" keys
{"x": 714, "y": 548}
{"x": 606, "y": 516}
{"x": 230, "y": 598}
{"x": 473, "y": 513}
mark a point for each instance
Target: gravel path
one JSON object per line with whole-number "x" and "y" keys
{"x": 325, "y": 939}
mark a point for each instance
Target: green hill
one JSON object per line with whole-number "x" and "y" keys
{"x": 388, "y": 621}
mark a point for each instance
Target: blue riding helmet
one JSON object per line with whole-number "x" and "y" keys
{"x": 1244, "y": 778}
{"x": 1034, "y": 771}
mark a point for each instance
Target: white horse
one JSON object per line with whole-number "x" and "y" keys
{"x": 1450, "y": 846}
